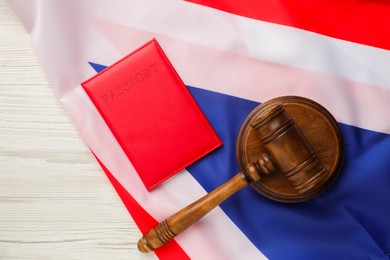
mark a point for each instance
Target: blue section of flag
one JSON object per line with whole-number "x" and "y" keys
{"x": 97, "y": 67}
{"x": 349, "y": 221}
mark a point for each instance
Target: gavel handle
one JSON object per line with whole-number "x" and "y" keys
{"x": 189, "y": 215}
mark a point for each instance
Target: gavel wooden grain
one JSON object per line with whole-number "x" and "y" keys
{"x": 275, "y": 158}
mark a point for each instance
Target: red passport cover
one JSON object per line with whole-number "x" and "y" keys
{"x": 152, "y": 114}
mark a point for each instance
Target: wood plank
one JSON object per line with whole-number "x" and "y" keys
{"x": 55, "y": 201}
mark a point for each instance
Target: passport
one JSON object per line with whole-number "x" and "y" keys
{"x": 152, "y": 114}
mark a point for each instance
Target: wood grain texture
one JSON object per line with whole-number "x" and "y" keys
{"x": 309, "y": 156}
{"x": 55, "y": 201}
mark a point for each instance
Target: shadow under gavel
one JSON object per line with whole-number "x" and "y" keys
{"x": 286, "y": 150}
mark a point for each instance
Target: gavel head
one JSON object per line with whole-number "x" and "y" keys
{"x": 308, "y": 163}
{"x": 289, "y": 149}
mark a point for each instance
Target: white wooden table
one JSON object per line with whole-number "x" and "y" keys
{"x": 55, "y": 201}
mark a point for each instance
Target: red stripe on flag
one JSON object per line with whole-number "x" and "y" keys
{"x": 365, "y": 22}
{"x": 144, "y": 221}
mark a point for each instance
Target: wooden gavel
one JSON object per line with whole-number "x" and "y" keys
{"x": 286, "y": 150}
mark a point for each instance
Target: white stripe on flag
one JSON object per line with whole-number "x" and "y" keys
{"x": 257, "y": 39}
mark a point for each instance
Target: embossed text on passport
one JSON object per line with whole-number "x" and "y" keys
{"x": 129, "y": 84}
